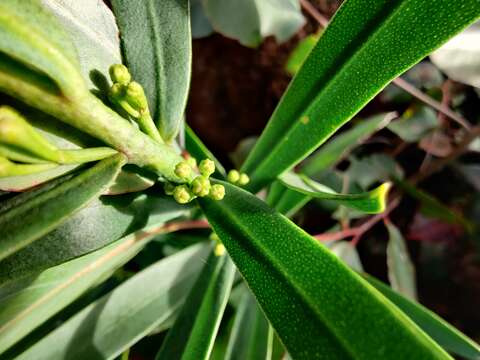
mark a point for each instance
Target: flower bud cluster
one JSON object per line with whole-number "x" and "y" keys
{"x": 200, "y": 186}
{"x": 235, "y": 177}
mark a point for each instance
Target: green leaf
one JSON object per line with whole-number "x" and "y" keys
{"x": 32, "y": 35}
{"x": 300, "y": 53}
{"x": 27, "y": 303}
{"x": 328, "y": 155}
{"x": 251, "y": 336}
{"x": 156, "y": 42}
{"x": 372, "y": 169}
{"x": 128, "y": 181}
{"x": 340, "y": 145}
{"x": 441, "y": 331}
{"x": 198, "y": 150}
{"x": 433, "y": 208}
{"x": 113, "y": 323}
{"x": 103, "y": 221}
{"x": 250, "y": 21}
{"x": 401, "y": 271}
{"x": 459, "y": 58}
{"x": 30, "y": 220}
{"x": 360, "y": 52}
{"x": 415, "y": 124}
{"x": 346, "y": 251}
{"x": 317, "y": 305}
{"x": 372, "y": 202}
{"x": 94, "y": 33}
{"x": 201, "y": 27}
{"x": 193, "y": 334}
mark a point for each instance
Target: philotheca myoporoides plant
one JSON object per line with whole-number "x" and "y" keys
{"x": 90, "y": 143}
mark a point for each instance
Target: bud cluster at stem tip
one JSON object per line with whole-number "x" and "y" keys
{"x": 199, "y": 186}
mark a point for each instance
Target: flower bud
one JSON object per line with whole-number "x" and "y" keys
{"x": 169, "y": 188}
{"x": 181, "y": 194}
{"x": 206, "y": 167}
{"x": 120, "y": 74}
{"x": 200, "y": 186}
{"x": 244, "y": 179}
{"x": 192, "y": 162}
{"x": 219, "y": 249}
{"x": 233, "y": 176}
{"x": 183, "y": 170}
{"x": 21, "y": 140}
{"x": 217, "y": 192}
{"x": 117, "y": 91}
{"x": 136, "y": 96}
{"x": 214, "y": 237}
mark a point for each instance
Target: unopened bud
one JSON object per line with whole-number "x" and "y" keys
{"x": 200, "y": 186}
{"x": 181, "y": 194}
{"x": 244, "y": 179}
{"x": 217, "y": 192}
{"x": 136, "y": 96}
{"x": 192, "y": 162}
{"x": 169, "y": 188}
{"x": 219, "y": 249}
{"x": 183, "y": 170}
{"x": 120, "y": 74}
{"x": 206, "y": 167}
{"x": 233, "y": 176}
{"x": 117, "y": 91}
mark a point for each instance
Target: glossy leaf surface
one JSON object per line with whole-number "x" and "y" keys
{"x": 156, "y": 42}
{"x": 119, "y": 319}
{"x": 304, "y": 289}
{"x": 371, "y": 202}
{"x": 39, "y": 214}
{"x": 360, "y": 52}
{"x": 441, "y": 331}
{"x": 193, "y": 333}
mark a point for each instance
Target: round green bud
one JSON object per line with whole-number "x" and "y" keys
{"x": 192, "y": 162}
{"x": 119, "y": 74}
{"x": 214, "y": 237}
{"x": 217, "y": 192}
{"x": 200, "y": 186}
{"x": 244, "y": 179}
{"x": 206, "y": 167}
{"x": 219, "y": 249}
{"x": 169, "y": 188}
{"x": 183, "y": 170}
{"x": 116, "y": 91}
{"x": 233, "y": 176}
{"x": 181, "y": 194}
{"x": 136, "y": 96}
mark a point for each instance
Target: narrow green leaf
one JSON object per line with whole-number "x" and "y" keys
{"x": 113, "y": 323}
{"x": 336, "y": 149}
{"x": 21, "y": 225}
{"x": 32, "y": 35}
{"x": 401, "y": 271}
{"x": 94, "y": 33}
{"x": 250, "y": 21}
{"x": 100, "y": 223}
{"x": 415, "y": 124}
{"x": 371, "y": 202}
{"x": 441, "y": 331}
{"x": 432, "y": 207}
{"x": 128, "y": 182}
{"x": 198, "y": 150}
{"x": 251, "y": 336}
{"x": 300, "y": 53}
{"x": 328, "y": 155}
{"x": 157, "y": 46}
{"x": 193, "y": 334}
{"x": 28, "y": 302}
{"x": 317, "y": 305}
{"x": 360, "y": 52}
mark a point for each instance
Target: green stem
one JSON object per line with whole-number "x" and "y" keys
{"x": 90, "y": 115}
{"x": 147, "y": 125}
